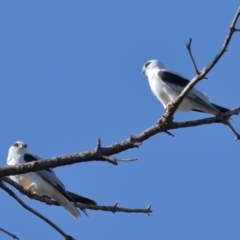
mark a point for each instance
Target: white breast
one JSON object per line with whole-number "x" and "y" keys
{"x": 158, "y": 88}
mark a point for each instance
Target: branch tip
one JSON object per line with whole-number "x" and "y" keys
{"x": 126, "y": 159}
{"x": 149, "y": 207}
{"x": 226, "y": 122}
{"x": 236, "y": 138}
{"x": 69, "y": 238}
{"x": 169, "y": 133}
{"x": 115, "y": 204}
{"x": 191, "y": 56}
{"x": 116, "y": 160}
{"x": 189, "y": 43}
{"x": 98, "y": 147}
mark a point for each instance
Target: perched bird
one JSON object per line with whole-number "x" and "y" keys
{"x": 166, "y": 85}
{"x": 43, "y": 182}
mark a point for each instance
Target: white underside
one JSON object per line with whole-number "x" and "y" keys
{"x": 39, "y": 186}
{"x": 166, "y": 93}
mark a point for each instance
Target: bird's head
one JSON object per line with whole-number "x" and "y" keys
{"x": 18, "y": 147}
{"x": 152, "y": 64}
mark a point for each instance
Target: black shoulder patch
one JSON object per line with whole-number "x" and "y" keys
{"x": 173, "y": 78}
{"x": 30, "y": 158}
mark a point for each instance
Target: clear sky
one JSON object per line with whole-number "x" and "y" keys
{"x": 71, "y": 73}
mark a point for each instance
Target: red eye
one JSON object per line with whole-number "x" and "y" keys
{"x": 16, "y": 144}
{"x": 148, "y": 63}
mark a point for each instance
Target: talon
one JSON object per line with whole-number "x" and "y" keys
{"x": 47, "y": 199}
{"x": 168, "y": 106}
{"x": 28, "y": 192}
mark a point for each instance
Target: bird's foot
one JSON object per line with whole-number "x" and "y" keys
{"x": 28, "y": 193}
{"x": 30, "y": 190}
{"x": 168, "y": 106}
{"x": 47, "y": 198}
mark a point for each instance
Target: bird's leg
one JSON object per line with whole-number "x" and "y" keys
{"x": 31, "y": 190}
{"x": 160, "y": 120}
{"x": 168, "y": 106}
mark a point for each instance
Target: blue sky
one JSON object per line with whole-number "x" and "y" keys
{"x": 71, "y": 73}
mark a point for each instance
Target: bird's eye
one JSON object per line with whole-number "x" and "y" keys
{"x": 15, "y": 144}
{"x": 148, "y": 63}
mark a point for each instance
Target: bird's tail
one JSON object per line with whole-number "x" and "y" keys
{"x": 211, "y": 108}
{"x": 67, "y": 205}
{"x": 81, "y": 199}
{"x": 222, "y": 109}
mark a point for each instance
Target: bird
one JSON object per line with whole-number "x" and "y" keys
{"x": 43, "y": 182}
{"x": 166, "y": 85}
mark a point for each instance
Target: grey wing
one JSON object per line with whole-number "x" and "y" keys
{"x": 47, "y": 174}
{"x": 51, "y": 178}
{"x": 177, "y": 83}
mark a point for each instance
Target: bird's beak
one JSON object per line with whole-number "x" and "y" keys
{"x": 22, "y": 146}
{"x": 143, "y": 70}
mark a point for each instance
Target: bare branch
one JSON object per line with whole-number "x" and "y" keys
{"x": 48, "y": 201}
{"x": 167, "y": 132}
{"x": 189, "y": 44}
{"x": 98, "y": 147}
{"x": 114, "y": 209}
{"x": 119, "y": 159}
{"x": 132, "y": 142}
{"x": 233, "y": 130}
{"x": 12, "y": 194}
{"x": 8, "y": 233}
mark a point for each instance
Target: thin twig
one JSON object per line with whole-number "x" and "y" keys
{"x": 169, "y": 133}
{"x": 233, "y": 130}
{"x": 119, "y": 159}
{"x": 98, "y": 147}
{"x": 189, "y": 44}
{"x": 8, "y": 233}
{"x": 115, "y": 208}
{"x": 12, "y": 194}
{"x": 48, "y": 201}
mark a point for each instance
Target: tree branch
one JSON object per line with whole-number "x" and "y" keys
{"x": 189, "y": 44}
{"x": 132, "y": 142}
{"x": 12, "y": 194}
{"x": 8, "y": 233}
{"x": 104, "y": 153}
{"x": 169, "y": 115}
{"x": 48, "y": 201}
